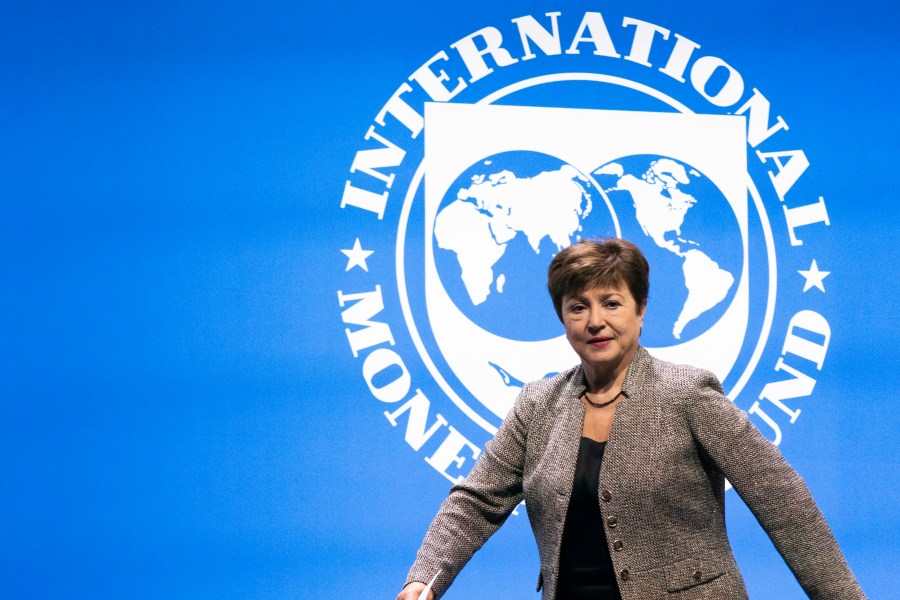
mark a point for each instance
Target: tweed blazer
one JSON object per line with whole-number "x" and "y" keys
{"x": 674, "y": 440}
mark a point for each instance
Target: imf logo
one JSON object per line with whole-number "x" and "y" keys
{"x": 521, "y": 139}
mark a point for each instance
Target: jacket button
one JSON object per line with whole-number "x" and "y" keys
{"x": 612, "y": 521}
{"x": 698, "y": 575}
{"x": 618, "y": 545}
{"x": 606, "y": 495}
{"x": 625, "y": 575}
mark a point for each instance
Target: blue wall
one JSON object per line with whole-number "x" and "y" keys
{"x": 182, "y": 414}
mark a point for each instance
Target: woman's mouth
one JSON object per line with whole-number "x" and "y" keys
{"x": 599, "y": 342}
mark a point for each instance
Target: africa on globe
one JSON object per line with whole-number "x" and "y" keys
{"x": 496, "y": 230}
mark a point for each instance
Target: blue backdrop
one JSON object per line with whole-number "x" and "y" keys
{"x": 183, "y": 413}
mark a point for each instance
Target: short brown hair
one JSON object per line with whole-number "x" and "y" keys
{"x": 606, "y": 262}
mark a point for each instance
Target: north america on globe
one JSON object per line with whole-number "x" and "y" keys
{"x": 658, "y": 190}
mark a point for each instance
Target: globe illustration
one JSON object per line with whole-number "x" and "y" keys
{"x": 689, "y": 233}
{"x": 496, "y": 230}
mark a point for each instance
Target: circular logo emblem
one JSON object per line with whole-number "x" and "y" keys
{"x": 521, "y": 138}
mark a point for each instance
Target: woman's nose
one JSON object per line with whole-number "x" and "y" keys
{"x": 596, "y": 320}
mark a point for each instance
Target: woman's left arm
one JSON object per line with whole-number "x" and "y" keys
{"x": 773, "y": 491}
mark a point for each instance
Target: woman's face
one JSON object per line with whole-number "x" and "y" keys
{"x": 603, "y": 325}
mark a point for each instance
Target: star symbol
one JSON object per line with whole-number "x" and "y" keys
{"x": 814, "y": 277}
{"x": 356, "y": 257}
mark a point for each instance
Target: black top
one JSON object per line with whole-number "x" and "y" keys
{"x": 585, "y": 566}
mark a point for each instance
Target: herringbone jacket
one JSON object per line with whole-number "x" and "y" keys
{"x": 674, "y": 441}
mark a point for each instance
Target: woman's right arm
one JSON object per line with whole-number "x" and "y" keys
{"x": 476, "y": 507}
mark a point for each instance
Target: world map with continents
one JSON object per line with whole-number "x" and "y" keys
{"x": 507, "y": 215}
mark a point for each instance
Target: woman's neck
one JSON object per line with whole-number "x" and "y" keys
{"x": 602, "y": 382}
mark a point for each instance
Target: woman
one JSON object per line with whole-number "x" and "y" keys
{"x": 622, "y": 462}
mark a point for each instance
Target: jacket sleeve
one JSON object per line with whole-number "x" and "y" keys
{"x": 773, "y": 491}
{"x": 477, "y": 506}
